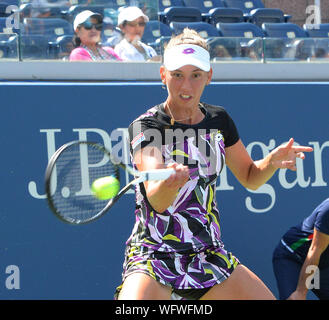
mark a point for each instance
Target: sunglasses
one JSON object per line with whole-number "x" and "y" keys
{"x": 135, "y": 24}
{"x": 88, "y": 25}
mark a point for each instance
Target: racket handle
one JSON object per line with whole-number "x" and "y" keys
{"x": 158, "y": 174}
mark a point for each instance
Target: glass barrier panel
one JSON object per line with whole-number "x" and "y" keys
{"x": 321, "y": 50}
{"x": 49, "y": 24}
{"x": 295, "y": 49}
{"x": 275, "y": 49}
{"x": 235, "y": 49}
{"x": 46, "y": 30}
{"x": 8, "y": 47}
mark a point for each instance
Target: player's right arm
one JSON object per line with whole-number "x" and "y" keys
{"x": 160, "y": 194}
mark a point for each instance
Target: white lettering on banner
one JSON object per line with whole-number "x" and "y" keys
{"x": 32, "y": 187}
{"x": 319, "y": 182}
{"x": 265, "y": 188}
{"x": 83, "y": 136}
{"x": 121, "y": 149}
{"x": 223, "y": 183}
{"x": 117, "y": 143}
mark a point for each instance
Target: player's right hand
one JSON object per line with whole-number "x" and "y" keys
{"x": 180, "y": 177}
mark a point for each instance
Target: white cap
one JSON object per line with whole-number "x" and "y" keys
{"x": 84, "y": 16}
{"x": 186, "y": 54}
{"x": 131, "y": 14}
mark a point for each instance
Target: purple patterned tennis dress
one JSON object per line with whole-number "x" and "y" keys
{"x": 182, "y": 247}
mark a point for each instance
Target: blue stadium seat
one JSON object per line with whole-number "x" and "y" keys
{"x": 25, "y": 10}
{"x": 111, "y": 31}
{"x": 78, "y": 2}
{"x": 227, "y": 15}
{"x": 70, "y": 14}
{"x": 151, "y": 9}
{"x": 266, "y": 15}
{"x": 245, "y": 5}
{"x": 204, "y": 5}
{"x": 66, "y": 45}
{"x": 3, "y": 26}
{"x": 301, "y": 49}
{"x": 154, "y": 30}
{"x": 181, "y": 14}
{"x": 108, "y": 3}
{"x": 8, "y": 46}
{"x": 49, "y": 28}
{"x": 33, "y": 47}
{"x": 164, "y": 4}
{"x": 317, "y": 30}
{"x": 111, "y": 34}
{"x": 240, "y": 29}
{"x": 282, "y": 42}
{"x": 160, "y": 44}
{"x": 11, "y": 2}
{"x": 28, "y": 10}
{"x": 283, "y": 30}
{"x": 111, "y": 3}
{"x": 61, "y": 48}
{"x": 206, "y": 30}
{"x": 3, "y": 7}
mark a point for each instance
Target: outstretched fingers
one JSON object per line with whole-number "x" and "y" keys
{"x": 297, "y": 149}
{"x": 301, "y": 149}
{"x": 285, "y": 156}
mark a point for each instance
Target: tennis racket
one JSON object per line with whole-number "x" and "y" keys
{"x": 71, "y": 171}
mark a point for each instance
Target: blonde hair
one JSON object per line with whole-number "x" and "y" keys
{"x": 188, "y": 36}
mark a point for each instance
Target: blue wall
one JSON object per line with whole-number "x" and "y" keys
{"x": 59, "y": 261}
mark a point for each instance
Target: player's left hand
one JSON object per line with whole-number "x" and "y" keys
{"x": 285, "y": 156}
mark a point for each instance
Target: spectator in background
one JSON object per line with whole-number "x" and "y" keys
{"x": 88, "y": 26}
{"x": 219, "y": 52}
{"x": 132, "y": 21}
{"x": 303, "y": 253}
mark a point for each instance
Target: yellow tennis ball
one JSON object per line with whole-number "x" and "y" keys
{"x": 105, "y": 188}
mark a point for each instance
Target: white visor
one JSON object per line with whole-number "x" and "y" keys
{"x": 186, "y": 54}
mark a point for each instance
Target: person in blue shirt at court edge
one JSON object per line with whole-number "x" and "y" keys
{"x": 301, "y": 259}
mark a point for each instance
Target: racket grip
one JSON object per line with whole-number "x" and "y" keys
{"x": 158, "y": 174}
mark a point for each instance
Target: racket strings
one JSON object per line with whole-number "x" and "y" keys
{"x": 76, "y": 168}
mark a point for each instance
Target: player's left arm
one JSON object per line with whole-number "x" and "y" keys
{"x": 319, "y": 243}
{"x": 252, "y": 174}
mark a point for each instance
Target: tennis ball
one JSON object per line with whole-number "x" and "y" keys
{"x": 105, "y": 188}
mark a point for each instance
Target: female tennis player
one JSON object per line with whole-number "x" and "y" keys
{"x": 175, "y": 245}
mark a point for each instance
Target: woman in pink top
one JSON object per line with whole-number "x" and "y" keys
{"x": 88, "y": 26}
